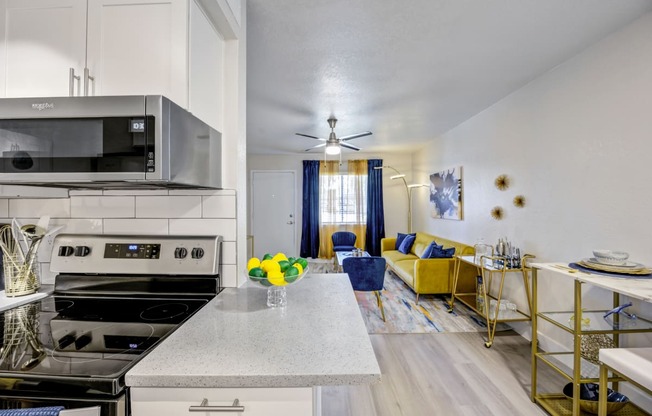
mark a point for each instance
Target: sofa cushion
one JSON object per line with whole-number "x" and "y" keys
{"x": 406, "y": 245}
{"x": 427, "y": 253}
{"x": 442, "y": 253}
{"x": 400, "y": 237}
{"x": 392, "y": 256}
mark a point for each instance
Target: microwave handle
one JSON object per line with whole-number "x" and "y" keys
{"x": 71, "y": 83}
{"x": 88, "y": 77}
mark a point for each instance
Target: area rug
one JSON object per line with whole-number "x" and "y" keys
{"x": 404, "y": 316}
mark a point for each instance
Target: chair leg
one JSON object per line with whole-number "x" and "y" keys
{"x": 417, "y": 302}
{"x": 380, "y": 304}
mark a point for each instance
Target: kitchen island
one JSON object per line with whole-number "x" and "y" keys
{"x": 272, "y": 360}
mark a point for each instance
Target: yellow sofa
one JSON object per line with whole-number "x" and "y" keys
{"x": 429, "y": 276}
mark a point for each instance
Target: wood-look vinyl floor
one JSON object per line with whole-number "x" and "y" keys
{"x": 446, "y": 374}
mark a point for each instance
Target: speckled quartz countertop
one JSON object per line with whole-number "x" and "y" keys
{"x": 237, "y": 341}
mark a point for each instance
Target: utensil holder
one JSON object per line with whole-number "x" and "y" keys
{"x": 20, "y": 278}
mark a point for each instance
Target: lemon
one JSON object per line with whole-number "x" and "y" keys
{"x": 279, "y": 256}
{"x": 270, "y": 266}
{"x": 253, "y": 262}
{"x": 298, "y": 266}
{"x": 276, "y": 278}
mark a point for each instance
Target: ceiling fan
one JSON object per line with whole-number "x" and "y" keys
{"x": 333, "y": 143}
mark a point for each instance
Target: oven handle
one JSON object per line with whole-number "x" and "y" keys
{"x": 204, "y": 407}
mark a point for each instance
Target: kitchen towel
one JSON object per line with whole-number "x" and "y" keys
{"x": 36, "y": 411}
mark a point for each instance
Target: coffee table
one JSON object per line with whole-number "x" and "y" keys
{"x": 341, "y": 255}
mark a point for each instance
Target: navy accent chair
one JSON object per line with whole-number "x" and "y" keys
{"x": 367, "y": 274}
{"x": 343, "y": 241}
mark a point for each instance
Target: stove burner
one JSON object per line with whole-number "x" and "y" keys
{"x": 164, "y": 311}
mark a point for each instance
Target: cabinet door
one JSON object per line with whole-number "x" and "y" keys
{"x": 42, "y": 40}
{"x": 138, "y": 47}
{"x": 256, "y": 401}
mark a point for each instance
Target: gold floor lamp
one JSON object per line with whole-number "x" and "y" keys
{"x": 408, "y": 190}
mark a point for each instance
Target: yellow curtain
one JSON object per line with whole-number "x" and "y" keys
{"x": 332, "y": 186}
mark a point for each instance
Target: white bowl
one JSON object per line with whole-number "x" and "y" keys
{"x": 612, "y": 257}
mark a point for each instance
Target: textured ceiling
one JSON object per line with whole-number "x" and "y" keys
{"x": 406, "y": 70}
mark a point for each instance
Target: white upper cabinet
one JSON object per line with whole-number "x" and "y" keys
{"x": 114, "y": 47}
{"x": 41, "y": 40}
{"x": 138, "y": 47}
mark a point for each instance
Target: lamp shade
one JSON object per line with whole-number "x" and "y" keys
{"x": 332, "y": 149}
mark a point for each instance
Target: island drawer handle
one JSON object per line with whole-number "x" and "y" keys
{"x": 204, "y": 407}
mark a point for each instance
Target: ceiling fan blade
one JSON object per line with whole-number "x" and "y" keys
{"x": 355, "y": 136}
{"x": 310, "y": 137}
{"x": 349, "y": 146}
{"x": 314, "y": 147}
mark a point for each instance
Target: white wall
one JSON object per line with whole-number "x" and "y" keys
{"x": 576, "y": 143}
{"x": 394, "y": 195}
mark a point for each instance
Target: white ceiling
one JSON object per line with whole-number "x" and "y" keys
{"x": 406, "y": 70}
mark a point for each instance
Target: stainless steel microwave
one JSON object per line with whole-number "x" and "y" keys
{"x": 106, "y": 142}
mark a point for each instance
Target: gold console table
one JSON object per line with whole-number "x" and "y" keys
{"x": 487, "y": 270}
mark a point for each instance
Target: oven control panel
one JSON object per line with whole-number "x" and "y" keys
{"x": 86, "y": 253}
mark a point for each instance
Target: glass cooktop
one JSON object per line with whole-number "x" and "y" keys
{"x": 83, "y": 342}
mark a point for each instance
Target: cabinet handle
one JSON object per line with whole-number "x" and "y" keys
{"x": 204, "y": 407}
{"x": 88, "y": 77}
{"x": 71, "y": 83}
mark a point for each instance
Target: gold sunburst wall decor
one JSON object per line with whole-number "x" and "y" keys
{"x": 497, "y": 213}
{"x": 502, "y": 182}
{"x": 519, "y": 201}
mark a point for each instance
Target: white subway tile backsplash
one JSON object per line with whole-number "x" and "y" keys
{"x": 150, "y": 192}
{"x": 79, "y": 225}
{"x": 229, "y": 252}
{"x": 168, "y": 206}
{"x": 224, "y": 227}
{"x": 218, "y": 206}
{"x": 47, "y": 277}
{"x": 57, "y": 207}
{"x": 202, "y": 192}
{"x": 81, "y": 192}
{"x": 4, "y": 208}
{"x": 229, "y": 275}
{"x": 133, "y": 226}
{"x": 102, "y": 206}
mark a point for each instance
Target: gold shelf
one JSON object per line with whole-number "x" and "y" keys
{"x": 562, "y": 406}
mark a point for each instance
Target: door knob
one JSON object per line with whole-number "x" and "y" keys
{"x": 290, "y": 222}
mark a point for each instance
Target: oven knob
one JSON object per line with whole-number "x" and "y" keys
{"x": 82, "y": 341}
{"x": 180, "y": 253}
{"x": 66, "y": 340}
{"x": 197, "y": 253}
{"x": 82, "y": 251}
{"x": 65, "y": 251}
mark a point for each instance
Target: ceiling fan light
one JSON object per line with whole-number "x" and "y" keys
{"x": 332, "y": 149}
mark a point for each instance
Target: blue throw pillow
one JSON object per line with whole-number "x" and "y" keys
{"x": 406, "y": 245}
{"x": 442, "y": 253}
{"x": 427, "y": 253}
{"x": 400, "y": 237}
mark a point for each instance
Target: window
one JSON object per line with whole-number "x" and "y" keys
{"x": 343, "y": 199}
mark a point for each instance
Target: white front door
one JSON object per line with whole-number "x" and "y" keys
{"x": 273, "y": 217}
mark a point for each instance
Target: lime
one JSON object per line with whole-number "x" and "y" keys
{"x": 253, "y": 262}
{"x": 298, "y": 267}
{"x": 276, "y": 278}
{"x": 284, "y": 265}
{"x": 303, "y": 262}
{"x": 291, "y": 274}
{"x": 270, "y": 266}
{"x": 257, "y": 272}
{"x": 267, "y": 256}
{"x": 292, "y": 260}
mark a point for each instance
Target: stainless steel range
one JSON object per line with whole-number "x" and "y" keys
{"x": 115, "y": 298}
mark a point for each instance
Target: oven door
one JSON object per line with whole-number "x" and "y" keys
{"x": 76, "y": 139}
{"x": 73, "y": 406}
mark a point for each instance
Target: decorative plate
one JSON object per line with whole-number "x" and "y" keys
{"x": 627, "y": 264}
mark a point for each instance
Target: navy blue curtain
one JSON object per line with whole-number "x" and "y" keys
{"x": 310, "y": 223}
{"x": 375, "y": 208}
